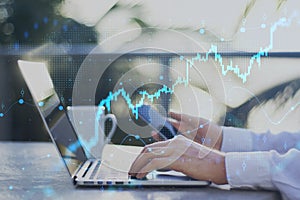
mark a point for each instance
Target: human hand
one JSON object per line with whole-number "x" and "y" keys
{"x": 183, "y": 155}
{"x": 198, "y": 129}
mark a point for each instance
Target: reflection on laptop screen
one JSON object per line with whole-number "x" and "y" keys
{"x": 59, "y": 126}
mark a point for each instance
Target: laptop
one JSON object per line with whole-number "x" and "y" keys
{"x": 84, "y": 169}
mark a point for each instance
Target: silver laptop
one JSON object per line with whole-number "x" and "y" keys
{"x": 82, "y": 167}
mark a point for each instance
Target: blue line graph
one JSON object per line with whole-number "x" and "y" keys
{"x": 283, "y": 22}
{"x": 213, "y": 51}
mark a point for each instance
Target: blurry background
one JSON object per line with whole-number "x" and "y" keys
{"x": 63, "y": 32}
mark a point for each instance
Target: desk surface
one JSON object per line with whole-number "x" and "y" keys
{"x": 35, "y": 171}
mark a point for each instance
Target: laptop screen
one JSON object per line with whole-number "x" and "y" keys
{"x": 54, "y": 115}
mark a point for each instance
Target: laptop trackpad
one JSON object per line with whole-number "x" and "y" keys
{"x": 168, "y": 176}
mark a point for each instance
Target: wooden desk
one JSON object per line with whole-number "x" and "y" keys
{"x": 35, "y": 171}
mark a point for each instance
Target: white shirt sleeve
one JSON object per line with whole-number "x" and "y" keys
{"x": 267, "y": 170}
{"x": 236, "y": 140}
{"x": 243, "y": 140}
{"x": 251, "y": 162}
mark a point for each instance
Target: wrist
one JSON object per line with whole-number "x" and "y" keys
{"x": 219, "y": 141}
{"x": 220, "y": 171}
{"x": 213, "y": 136}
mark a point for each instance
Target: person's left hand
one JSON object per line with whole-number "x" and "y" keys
{"x": 183, "y": 155}
{"x": 198, "y": 129}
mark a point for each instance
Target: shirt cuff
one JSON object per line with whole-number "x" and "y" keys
{"x": 249, "y": 170}
{"x": 236, "y": 140}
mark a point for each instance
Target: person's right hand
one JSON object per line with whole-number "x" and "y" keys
{"x": 198, "y": 129}
{"x": 183, "y": 155}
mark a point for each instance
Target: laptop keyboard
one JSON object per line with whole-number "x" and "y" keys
{"x": 95, "y": 169}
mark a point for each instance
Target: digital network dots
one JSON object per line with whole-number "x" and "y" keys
{"x": 60, "y": 108}
{"x": 244, "y": 165}
{"x": 292, "y": 108}
{"x": 26, "y": 34}
{"x": 264, "y": 139}
{"x": 202, "y": 31}
{"x": 21, "y": 101}
{"x": 11, "y": 187}
{"x": 243, "y": 30}
{"x": 263, "y": 25}
{"x": 36, "y": 26}
{"x": 137, "y": 137}
{"x": 283, "y": 19}
{"x": 49, "y": 192}
{"x": 22, "y": 91}
{"x": 65, "y": 28}
{"x": 41, "y": 104}
{"x": 45, "y": 20}
{"x": 1, "y": 115}
{"x": 16, "y": 45}
{"x": 285, "y": 146}
{"x": 55, "y": 22}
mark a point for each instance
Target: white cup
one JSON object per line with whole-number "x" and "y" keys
{"x": 90, "y": 131}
